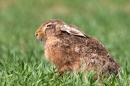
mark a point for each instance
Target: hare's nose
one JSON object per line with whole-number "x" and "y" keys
{"x": 36, "y": 35}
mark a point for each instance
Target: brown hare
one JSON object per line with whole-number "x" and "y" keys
{"x": 70, "y": 49}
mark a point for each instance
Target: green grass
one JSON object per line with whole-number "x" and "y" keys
{"x": 22, "y": 61}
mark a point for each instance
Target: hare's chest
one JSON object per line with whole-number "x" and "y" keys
{"x": 52, "y": 49}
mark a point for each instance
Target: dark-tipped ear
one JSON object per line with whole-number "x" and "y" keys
{"x": 71, "y": 29}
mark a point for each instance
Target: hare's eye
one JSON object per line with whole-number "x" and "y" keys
{"x": 49, "y": 26}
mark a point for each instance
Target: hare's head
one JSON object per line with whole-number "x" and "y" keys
{"x": 48, "y": 29}
{"x": 56, "y": 26}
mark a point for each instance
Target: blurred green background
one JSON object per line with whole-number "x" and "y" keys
{"x": 106, "y": 20}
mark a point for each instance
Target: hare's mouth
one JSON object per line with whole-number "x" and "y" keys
{"x": 41, "y": 39}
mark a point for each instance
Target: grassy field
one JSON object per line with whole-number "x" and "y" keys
{"x": 22, "y": 61}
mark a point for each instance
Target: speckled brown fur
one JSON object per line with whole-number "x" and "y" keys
{"x": 75, "y": 51}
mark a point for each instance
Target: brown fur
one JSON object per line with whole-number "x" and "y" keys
{"x": 72, "y": 51}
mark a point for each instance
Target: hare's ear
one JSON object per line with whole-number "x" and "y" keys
{"x": 71, "y": 29}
